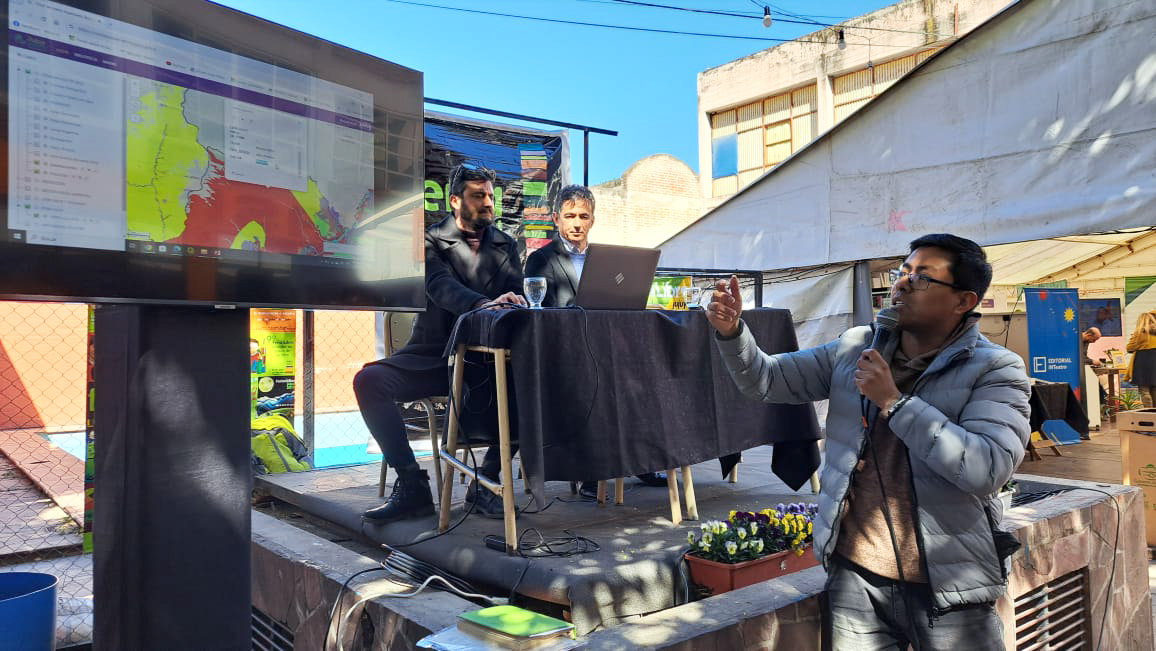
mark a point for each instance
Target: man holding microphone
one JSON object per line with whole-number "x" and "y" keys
{"x": 927, "y": 421}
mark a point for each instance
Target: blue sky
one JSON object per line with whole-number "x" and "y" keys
{"x": 639, "y": 84}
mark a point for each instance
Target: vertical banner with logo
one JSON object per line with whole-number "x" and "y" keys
{"x": 272, "y": 359}
{"x": 89, "y": 445}
{"x": 1054, "y": 335}
{"x": 1054, "y": 344}
{"x": 531, "y": 165}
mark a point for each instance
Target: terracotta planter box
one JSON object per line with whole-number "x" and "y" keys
{"x": 724, "y": 577}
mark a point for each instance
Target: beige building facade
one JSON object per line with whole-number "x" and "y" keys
{"x": 757, "y": 111}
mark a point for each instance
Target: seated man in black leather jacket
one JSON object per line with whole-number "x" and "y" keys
{"x": 469, "y": 264}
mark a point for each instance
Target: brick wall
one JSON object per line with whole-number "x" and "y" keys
{"x": 657, "y": 197}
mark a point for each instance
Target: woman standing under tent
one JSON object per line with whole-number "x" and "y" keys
{"x": 1142, "y": 345}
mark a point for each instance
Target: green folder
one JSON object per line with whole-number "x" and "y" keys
{"x": 518, "y": 622}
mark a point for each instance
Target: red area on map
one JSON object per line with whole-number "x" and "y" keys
{"x": 218, "y": 212}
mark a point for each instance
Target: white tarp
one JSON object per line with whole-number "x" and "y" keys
{"x": 1040, "y": 123}
{"x": 820, "y": 306}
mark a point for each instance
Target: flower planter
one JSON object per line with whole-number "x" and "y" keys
{"x": 724, "y": 577}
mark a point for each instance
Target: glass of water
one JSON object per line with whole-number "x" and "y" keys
{"x": 692, "y": 296}
{"x": 534, "y": 287}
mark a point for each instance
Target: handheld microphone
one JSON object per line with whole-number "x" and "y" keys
{"x": 885, "y": 323}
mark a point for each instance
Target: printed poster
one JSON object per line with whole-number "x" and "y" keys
{"x": 666, "y": 292}
{"x": 272, "y": 360}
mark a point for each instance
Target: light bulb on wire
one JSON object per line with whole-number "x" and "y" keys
{"x": 766, "y": 16}
{"x": 842, "y": 41}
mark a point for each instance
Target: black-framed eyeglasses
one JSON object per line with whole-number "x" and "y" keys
{"x": 920, "y": 281}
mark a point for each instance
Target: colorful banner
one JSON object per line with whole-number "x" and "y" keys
{"x": 1054, "y": 348}
{"x": 1054, "y": 336}
{"x": 531, "y": 166}
{"x": 272, "y": 359}
{"x": 89, "y": 446}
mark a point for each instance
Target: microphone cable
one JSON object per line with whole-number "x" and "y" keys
{"x": 869, "y": 425}
{"x": 870, "y": 415}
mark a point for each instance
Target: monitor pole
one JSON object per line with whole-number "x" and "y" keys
{"x": 171, "y": 534}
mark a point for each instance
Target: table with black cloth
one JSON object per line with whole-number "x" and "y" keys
{"x": 1053, "y": 401}
{"x": 1056, "y": 401}
{"x": 605, "y": 394}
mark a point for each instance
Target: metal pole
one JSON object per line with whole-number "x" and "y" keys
{"x": 307, "y": 382}
{"x": 862, "y": 311}
{"x": 586, "y": 157}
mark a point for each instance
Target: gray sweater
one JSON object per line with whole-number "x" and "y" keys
{"x": 965, "y": 429}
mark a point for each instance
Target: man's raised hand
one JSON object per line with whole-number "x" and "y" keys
{"x": 725, "y": 307}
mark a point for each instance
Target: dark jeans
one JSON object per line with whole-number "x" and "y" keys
{"x": 379, "y": 388}
{"x": 866, "y": 612}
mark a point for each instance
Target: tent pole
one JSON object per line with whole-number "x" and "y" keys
{"x": 861, "y": 311}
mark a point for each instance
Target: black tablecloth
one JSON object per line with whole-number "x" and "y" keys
{"x": 1056, "y": 401}
{"x": 605, "y": 394}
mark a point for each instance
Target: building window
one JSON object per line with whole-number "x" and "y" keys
{"x": 724, "y": 155}
{"x": 855, "y": 89}
{"x": 751, "y": 139}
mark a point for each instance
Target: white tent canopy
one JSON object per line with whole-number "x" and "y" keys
{"x": 1038, "y": 125}
{"x": 1081, "y": 257}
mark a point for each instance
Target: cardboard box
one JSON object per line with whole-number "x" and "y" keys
{"x": 1138, "y": 460}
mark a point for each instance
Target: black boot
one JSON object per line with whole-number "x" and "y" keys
{"x": 486, "y": 503}
{"x": 410, "y": 499}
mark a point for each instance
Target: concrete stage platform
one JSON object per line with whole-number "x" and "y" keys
{"x": 635, "y": 570}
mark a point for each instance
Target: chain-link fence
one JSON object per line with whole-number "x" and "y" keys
{"x": 343, "y": 342}
{"x": 43, "y": 360}
{"x": 44, "y": 374}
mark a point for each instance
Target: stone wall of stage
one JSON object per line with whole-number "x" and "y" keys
{"x": 1071, "y": 532}
{"x": 296, "y": 578}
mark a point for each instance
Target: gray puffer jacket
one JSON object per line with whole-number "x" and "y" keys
{"x": 965, "y": 429}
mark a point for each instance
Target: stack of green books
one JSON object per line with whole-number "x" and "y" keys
{"x": 514, "y": 628}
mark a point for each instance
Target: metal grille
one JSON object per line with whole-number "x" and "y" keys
{"x": 270, "y": 634}
{"x": 1054, "y": 616}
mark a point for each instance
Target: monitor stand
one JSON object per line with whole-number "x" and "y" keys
{"x": 171, "y": 534}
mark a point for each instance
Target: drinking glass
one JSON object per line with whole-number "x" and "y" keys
{"x": 691, "y": 296}
{"x": 534, "y": 287}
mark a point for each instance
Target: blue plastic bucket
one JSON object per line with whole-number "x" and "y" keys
{"x": 28, "y": 610}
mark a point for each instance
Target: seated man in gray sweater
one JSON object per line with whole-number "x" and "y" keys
{"x": 920, "y": 436}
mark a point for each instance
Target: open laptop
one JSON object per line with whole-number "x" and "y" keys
{"x": 616, "y": 277}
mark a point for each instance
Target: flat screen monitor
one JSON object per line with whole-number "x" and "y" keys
{"x": 1101, "y": 313}
{"x": 177, "y": 151}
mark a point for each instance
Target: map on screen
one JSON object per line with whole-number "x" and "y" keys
{"x": 184, "y": 149}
